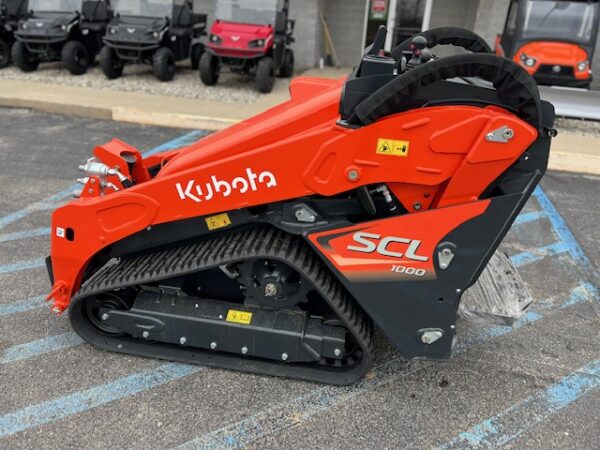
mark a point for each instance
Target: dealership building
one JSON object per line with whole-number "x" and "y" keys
{"x": 351, "y": 24}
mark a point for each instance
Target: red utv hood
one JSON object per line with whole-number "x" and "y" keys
{"x": 238, "y": 35}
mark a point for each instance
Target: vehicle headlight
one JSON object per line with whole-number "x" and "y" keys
{"x": 528, "y": 60}
{"x": 155, "y": 34}
{"x": 24, "y": 26}
{"x": 583, "y": 66}
{"x": 63, "y": 27}
{"x": 256, "y": 43}
{"x": 215, "y": 39}
{"x": 112, "y": 30}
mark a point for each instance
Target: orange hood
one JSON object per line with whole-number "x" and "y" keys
{"x": 561, "y": 53}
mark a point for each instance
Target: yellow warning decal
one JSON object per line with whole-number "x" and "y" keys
{"x": 218, "y": 221}
{"x": 236, "y": 316}
{"x": 392, "y": 147}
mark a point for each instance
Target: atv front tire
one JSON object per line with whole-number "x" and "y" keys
{"x": 287, "y": 69}
{"x": 75, "y": 58}
{"x": 197, "y": 52}
{"x": 110, "y": 63}
{"x": 4, "y": 54}
{"x": 210, "y": 69}
{"x": 163, "y": 63}
{"x": 264, "y": 79}
{"x": 23, "y": 58}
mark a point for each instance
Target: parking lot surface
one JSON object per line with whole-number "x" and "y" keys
{"x": 535, "y": 385}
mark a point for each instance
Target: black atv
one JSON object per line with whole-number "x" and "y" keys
{"x": 11, "y": 11}
{"x": 158, "y": 33}
{"x": 61, "y": 30}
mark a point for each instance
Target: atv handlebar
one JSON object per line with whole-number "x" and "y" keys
{"x": 446, "y": 36}
{"x": 514, "y": 86}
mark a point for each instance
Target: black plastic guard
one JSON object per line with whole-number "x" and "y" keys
{"x": 403, "y": 309}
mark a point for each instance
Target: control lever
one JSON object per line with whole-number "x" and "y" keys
{"x": 418, "y": 53}
{"x": 376, "y": 48}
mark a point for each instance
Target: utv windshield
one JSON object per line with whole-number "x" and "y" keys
{"x": 54, "y": 5}
{"x": 145, "y": 8}
{"x": 260, "y": 12}
{"x": 562, "y": 20}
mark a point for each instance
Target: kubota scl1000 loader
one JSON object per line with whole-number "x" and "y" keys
{"x": 278, "y": 245}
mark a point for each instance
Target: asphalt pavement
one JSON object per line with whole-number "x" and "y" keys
{"x": 535, "y": 385}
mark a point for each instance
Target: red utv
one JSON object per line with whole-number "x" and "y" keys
{"x": 251, "y": 37}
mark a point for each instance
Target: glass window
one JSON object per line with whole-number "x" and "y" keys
{"x": 144, "y": 8}
{"x": 564, "y": 20}
{"x": 262, "y": 12}
{"x": 54, "y": 5}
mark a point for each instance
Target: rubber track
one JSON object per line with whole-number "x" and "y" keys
{"x": 264, "y": 242}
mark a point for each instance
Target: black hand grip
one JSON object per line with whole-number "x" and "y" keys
{"x": 446, "y": 36}
{"x": 514, "y": 86}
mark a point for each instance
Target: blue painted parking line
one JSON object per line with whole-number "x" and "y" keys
{"x": 40, "y": 347}
{"x": 521, "y": 259}
{"x": 52, "y": 200}
{"x": 530, "y": 217}
{"x": 502, "y": 428}
{"x": 67, "y": 405}
{"x": 37, "y": 206}
{"x": 562, "y": 229}
{"x": 22, "y": 305}
{"x": 24, "y": 234}
{"x": 23, "y": 265}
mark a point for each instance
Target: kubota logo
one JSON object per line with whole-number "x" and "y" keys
{"x": 370, "y": 242}
{"x": 206, "y": 191}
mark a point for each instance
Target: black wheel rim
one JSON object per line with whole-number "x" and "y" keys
{"x": 92, "y": 308}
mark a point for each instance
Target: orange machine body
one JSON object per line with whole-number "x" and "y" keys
{"x": 431, "y": 158}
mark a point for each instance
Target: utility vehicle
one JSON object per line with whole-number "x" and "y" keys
{"x": 11, "y": 11}
{"x": 61, "y": 30}
{"x": 158, "y": 32}
{"x": 250, "y": 37}
{"x": 553, "y": 40}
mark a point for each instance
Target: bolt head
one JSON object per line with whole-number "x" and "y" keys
{"x": 182, "y": 340}
{"x": 353, "y": 175}
{"x": 270, "y": 290}
{"x": 56, "y": 310}
{"x": 508, "y": 133}
{"x": 213, "y": 345}
{"x": 417, "y": 206}
{"x": 284, "y": 356}
{"x": 244, "y": 350}
{"x": 458, "y": 291}
{"x": 145, "y": 335}
{"x": 104, "y": 316}
{"x": 446, "y": 252}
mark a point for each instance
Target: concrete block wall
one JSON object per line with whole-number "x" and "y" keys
{"x": 490, "y": 19}
{"x": 346, "y": 23}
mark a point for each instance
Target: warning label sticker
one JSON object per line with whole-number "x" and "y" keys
{"x": 218, "y": 221}
{"x": 235, "y": 316}
{"x": 392, "y": 147}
